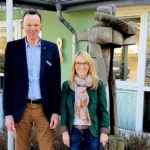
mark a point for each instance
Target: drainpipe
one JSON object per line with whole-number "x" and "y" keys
{"x": 74, "y": 35}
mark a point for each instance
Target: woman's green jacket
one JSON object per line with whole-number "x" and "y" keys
{"x": 97, "y": 108}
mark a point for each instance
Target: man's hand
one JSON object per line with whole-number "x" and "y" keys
{"x": 66, "y": 138}
{"x": 103, "y": 139}
{"x": 54, "y": 121}
{"x": 9, "y": 123}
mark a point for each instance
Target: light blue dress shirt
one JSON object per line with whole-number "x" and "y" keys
{"x": 33, "y": 55}
{"x": 33, "y": 63}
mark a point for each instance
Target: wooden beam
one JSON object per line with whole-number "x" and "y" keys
{"x": 126, "y": 28}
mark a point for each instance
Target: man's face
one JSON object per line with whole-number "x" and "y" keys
{"x": 32, "y": 26}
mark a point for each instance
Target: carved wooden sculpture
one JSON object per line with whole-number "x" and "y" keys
{"x": 109, "y": 33}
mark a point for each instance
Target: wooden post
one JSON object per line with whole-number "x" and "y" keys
{"x": 124, "y": 64}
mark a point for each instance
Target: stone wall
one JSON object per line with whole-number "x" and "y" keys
{"x": 115, "y": 143}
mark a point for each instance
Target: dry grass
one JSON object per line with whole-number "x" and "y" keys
{"x": 136, "y": 141}
{"x": 58, "y": 144}
{"x": 3, "y": 139}
{"x": 132, "y": 142}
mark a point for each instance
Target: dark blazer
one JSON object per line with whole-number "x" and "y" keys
{"x": 97, "y": 109}
{"x": 16, "y": 81}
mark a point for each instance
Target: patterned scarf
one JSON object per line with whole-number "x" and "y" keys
{"x": 82, "y": 98}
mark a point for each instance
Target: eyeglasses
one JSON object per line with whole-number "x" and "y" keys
{"x": 82, "y": 63}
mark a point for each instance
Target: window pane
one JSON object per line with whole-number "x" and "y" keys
{"x": 126, "y": 58}
{"x": 146, "y": 119}
{"x": 3, "y": 42}
{"x": 147, "y": 69}
{"x": 2, "y": 51}
{"x": 2, "y": 46}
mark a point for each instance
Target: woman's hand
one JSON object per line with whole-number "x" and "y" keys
{"x": 66, "y": 138}
{"x": 103, "y": 139}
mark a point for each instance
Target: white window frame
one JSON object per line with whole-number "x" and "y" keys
{"x": 142, "y": 13}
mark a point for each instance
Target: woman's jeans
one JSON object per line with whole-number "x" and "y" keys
{"x": 83, "y": 140}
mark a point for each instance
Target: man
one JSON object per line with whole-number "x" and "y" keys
{"x": 31, "y": 85}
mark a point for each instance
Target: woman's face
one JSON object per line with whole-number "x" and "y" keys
{"x": 81, "y": 67}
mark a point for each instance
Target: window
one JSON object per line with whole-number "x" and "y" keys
{"x": 147, "y": 69}
{"x": 3, "y": 41}
{"x": 126, "y": 58}
{"x": 146, "y": 118}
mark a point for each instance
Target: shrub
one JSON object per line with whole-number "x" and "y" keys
{"x": 58, "y": 144}
{"x": 136, "y": 141}
{"x": 3, "y": 139}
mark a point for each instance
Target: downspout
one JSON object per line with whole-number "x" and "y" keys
{"x": 74, "y": 35}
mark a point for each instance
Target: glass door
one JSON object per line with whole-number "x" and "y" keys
{"x": 125, "y": 67}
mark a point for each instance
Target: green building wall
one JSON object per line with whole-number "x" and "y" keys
{"x": 52, "y": 28}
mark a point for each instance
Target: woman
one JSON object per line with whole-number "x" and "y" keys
{"x": 84, "y": 116}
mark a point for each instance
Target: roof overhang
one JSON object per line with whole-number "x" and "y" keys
{"x": 72, "y": 5}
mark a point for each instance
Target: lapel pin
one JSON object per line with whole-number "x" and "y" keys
{"x": 48, "y": 63}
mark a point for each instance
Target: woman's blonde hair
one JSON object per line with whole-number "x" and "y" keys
{"x": 92, "y": 71}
